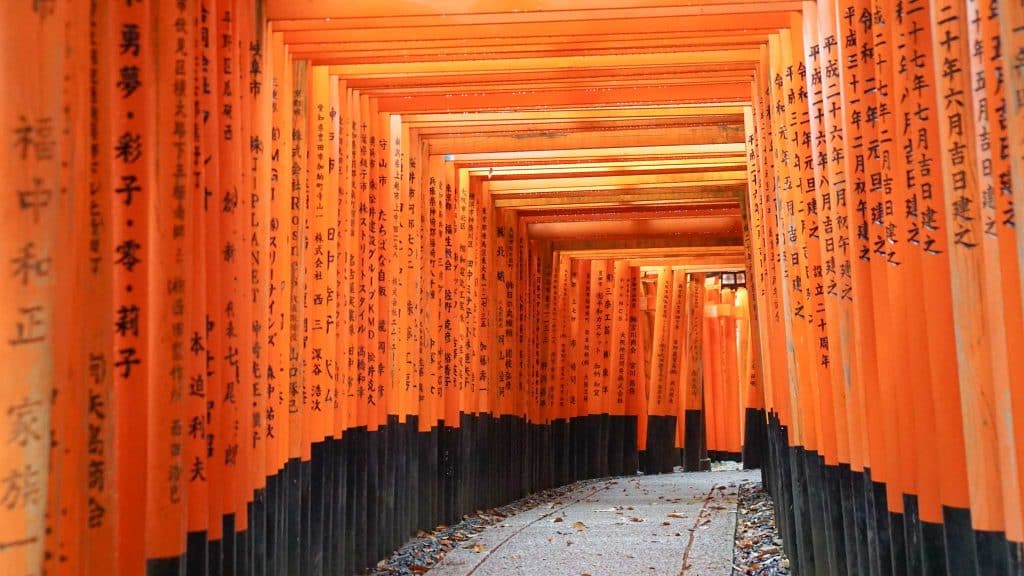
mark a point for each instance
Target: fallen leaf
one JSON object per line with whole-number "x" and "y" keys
{"x": 635, "y": 519}
{"x": 478, "y": 548}
{"x": 558, "y": 519}
{"x": 676, "y": 515}
{"x": 579, "y": 526}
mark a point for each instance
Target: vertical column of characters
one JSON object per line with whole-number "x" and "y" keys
{"x": 783, "y": 216}
{"x": 314, "y": 222}
{"x": 491, "y": 258}
{"x": 295, "y": 83}
{"x": 470, "y": 248}
{"x": 131, "y": 138}
{"x": 982, "y": 377}
{"x": 520, "y": 327}
{"x": 345, "y": 326}
{"x": 279, "y": 262}
{"x": 510, "y": 329}
{"x": 851, "y": 33}
{"x": 545, "y": 297}
{"x": 676, "y": 343}
{"x": 168, "y": 209}
{"x": 753, "y": 240}
{"x": 585, "y": 335}
{"x": 639, "y": 390}
{"x": 1002, "y": 264}
{"x": 618, "y": 364}
{"x": 400, "y": 276}
{"x": 368, "y": 266}
{"x": 427, "y": 205}
{"x": 260, "y": 61}
{"x": 366, "y": 294}
{"x": 498, "y": 305}
{"x": 573, "y": 348}
{"x": 913, "y": 196}
{"x": 488, "y": 257}
{"x": 479, "y": 282}
{"x": 523, "y": 287}
{"x": 94, "y": 267}
{"x": 832, "y": 199}
{"x": 494, "y": 265}
{"x": 814, "y": 375}
{"x": 336, "y": 247}
{"x": 449, "y": 316}
{"x": 244, "y": 301}
{"x": 559, "y": 338}
{"x": 1011, "y": 27}
{"x": 523, "y": 327}
{"x": 465, "y": 274}
{"x": 412, "y": 280}
{"x": 342, "y": 148}
{"x": 903, "y": 258}
{"x": 433, "y": 293}
{"x": 211, "y": 341}
{"x": 659, "y": 359}
{"x": 321, "y": 211}
{"x": 33, "y": 210}
{"x": 1005, "y": 62}
{"x": 552, "y": 331}
{"x": 320, "y": 265}
{"x": 606, "y": 312}
{"x": 693, "y": 378}
{"x": 596, "y": 322}
{"x": 195, "y": 366}
{"x": 528, "y": 338}
{"x": 770, "y": 219}
{"x": 816, "y": 186}
{"x": 356, "y": 313}
{"x": 540, "y": 313}
{"x": 417, "y": 216}
{"x": 762, "y": 257}
{"x": 226, "y": 201}
{"x": 416, "y": 206}
{"x": 543, "y": 269}
{"x": 888, "y": 273}
{"x": 381, "y": 188}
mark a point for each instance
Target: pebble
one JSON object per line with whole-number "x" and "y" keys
{"x": 758, "y": 550}
{"x": 425, "y": 550}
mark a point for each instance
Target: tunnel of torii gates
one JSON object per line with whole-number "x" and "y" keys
{"x": 288, "y": 280}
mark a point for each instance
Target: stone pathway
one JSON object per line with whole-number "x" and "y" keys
{"x": 671, "y": 524}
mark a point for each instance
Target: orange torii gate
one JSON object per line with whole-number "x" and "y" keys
{"x": 288, "y": 281}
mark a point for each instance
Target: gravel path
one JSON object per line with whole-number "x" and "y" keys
{"x": 758, "y": 549}
{"x": 672, "y": 525}
{"x": 428, "y": 548}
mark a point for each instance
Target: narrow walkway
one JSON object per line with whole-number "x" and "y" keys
{"x": 641, "y": 525}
